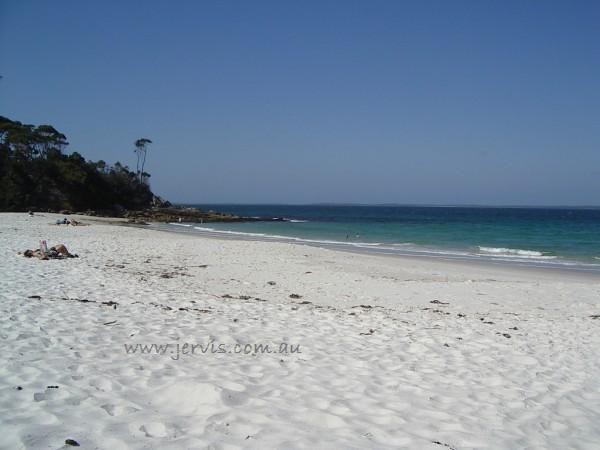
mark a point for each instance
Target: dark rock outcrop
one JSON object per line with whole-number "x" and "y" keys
{"x": 193, "y": 215}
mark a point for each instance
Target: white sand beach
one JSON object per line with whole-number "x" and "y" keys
{"x": 390, "y": 352}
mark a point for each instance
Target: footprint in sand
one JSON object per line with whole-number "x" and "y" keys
{"x": 154, "y": 429}
{"x": 187, "y": 397}
{"x": 101, "y": 384}
{"x": 118, "y": 410}
{"x": 233, "y": 398}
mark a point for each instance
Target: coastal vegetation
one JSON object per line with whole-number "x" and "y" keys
{"x": 36, "y": 173}
{"x": 141, "y": 148}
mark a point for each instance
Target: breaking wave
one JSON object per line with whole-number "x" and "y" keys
{"x": 513, "y": 253}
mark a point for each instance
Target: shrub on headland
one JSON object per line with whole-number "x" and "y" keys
{"x": 36, "y": 174}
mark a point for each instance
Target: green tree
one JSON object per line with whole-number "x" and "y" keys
{"x": 141, "y": 148}
{"x": 48, "y": 139}
{"x": 36, "y": 174}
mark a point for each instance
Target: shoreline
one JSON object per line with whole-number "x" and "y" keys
{"x": 575, "y": 269}
{"x": 550, "y": 269}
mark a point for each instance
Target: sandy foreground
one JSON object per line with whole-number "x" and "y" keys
{"x": 368, "y": 352}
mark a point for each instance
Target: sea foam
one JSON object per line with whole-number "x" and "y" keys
{"x": 513, "y": 252}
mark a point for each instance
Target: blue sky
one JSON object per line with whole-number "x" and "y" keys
{"x": 449, "y": 102}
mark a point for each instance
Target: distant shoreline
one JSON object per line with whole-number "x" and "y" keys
{"x": 406, "y": 205}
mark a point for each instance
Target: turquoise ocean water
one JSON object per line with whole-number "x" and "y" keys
{"x": 543, "y": 236}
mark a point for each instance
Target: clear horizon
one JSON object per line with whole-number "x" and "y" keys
{"x": 414, "y": 205}
{"x": 430, "y": 103}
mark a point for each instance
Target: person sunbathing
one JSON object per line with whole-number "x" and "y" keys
{"x": 57, "y": 252}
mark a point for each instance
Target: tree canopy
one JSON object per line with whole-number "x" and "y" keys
{"x": 37, "y": 174}
{"x": 141, "y": 148}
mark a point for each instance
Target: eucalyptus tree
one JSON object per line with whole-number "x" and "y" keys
{"x": 141, "y": 148}
{"x": 48, "y": 139}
